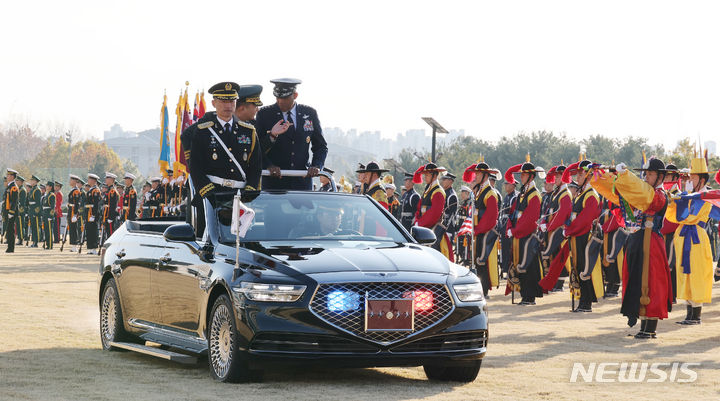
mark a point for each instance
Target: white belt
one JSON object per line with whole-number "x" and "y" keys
{"x": 406, "y": 214}
{"x": 89, "y": 206}
{"x": 226, "y": 183}
{"x": 32, "y": 203}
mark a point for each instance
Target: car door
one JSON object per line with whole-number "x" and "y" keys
{"x": 179, "y": 285}
{"x": 136, "y": 260}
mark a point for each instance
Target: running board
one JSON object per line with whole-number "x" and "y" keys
{"x": 157, "y": 352}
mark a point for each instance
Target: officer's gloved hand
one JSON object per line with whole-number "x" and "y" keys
{"x": 274, "y": 171}
{"x": 509, "y": 233}
{"x": 621, "y": 168}
{"x": 312, "y": 172}
{"x": 543, "y": 227}
{"x": 74, "y": 219}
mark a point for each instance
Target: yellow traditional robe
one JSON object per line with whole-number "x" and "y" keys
{"x": 697, "y": 285}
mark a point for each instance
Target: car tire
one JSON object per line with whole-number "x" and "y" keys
{"x": 111, "y": 320}
{"x": 451, "y": 373}
{"x": 227, "y": 363}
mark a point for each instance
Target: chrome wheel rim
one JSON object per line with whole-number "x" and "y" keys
{"x": 222, "y": 340}
{"x": 107, "y": 316}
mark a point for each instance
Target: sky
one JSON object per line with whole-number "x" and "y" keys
{"x": 493, "y": 68}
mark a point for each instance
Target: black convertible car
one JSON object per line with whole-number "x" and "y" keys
{"x": 325, "y": 278}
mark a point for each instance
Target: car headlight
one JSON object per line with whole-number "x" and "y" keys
{"x": 270, "y": 292}
{"x": 469, "y": 292}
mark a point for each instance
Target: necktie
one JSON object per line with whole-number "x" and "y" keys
{"x": 227, "y": 128}
{"x": 289, "y": 119}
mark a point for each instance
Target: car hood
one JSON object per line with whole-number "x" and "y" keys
{"x": 314, "y": 257}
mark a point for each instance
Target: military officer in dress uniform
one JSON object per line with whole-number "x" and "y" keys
{"x": 325, "y": 176}
{"x": 430, "y": 208}
{"x": 374, "y": 186}
{"x": 110, "y": 203}
{"x": 225, "y": 153}
{"x": 288, "y": 132}
{"x": 73, "y": 207}
{"x": 10, "y": 209}
{"x": 21, "y": 219}
{"x": 93, "y": 199}
{"x": 408, "y": 202}
{"x": 558, "y": 213}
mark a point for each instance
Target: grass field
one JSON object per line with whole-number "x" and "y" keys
{"x": 50, "y": 350}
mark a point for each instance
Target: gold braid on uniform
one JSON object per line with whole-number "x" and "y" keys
{"x": 207, "y": 188}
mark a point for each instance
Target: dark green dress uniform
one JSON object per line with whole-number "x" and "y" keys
{"x": 211, "y": 168}
{"x": 73, "y": 205}
{"x": 21, "y": 219}
{"x": 48, "y": 215}
{"x": 9, "y": 214}
{"x": 92, "y": 217}
{"x": 35, "y": 213}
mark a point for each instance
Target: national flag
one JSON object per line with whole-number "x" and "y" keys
{"x": 201, "y": 106}
{"x": 196, "y": 111}
{"x": 467, "y": 227}
{"x": 181, "y": 165}
{"x": 165, "y": 154}
{"x": 178, "y": 130}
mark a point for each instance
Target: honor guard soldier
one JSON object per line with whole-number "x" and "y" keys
{"x": 409, "y": 201}
{"x": 21, "y": 218}
{"x": 430, "y": 208}
{"x": 579, "y": 232}
{"x": 180, "y": 195}
{"x": 48, "y": 207}
{"x": 673, "y": 186}
{"x": 34, "y": 210}
{"x": 288, "y": 132}
{"x": 374, "y": 186}
{"x": 225, "y": 153}
{"x": 129, "y": 199}
{"x": 558, "y": 213}
{"x": 393, "y": 202}
{"x": 153, "y": 198}
{"x": 485, "y": 212}
{"x": 647, "y": 293}
{"x": 451, "y": 206}
{"x": 109, "y": 206}
{"x": 694, "y": 260}
{"x": 511, "y": 193}
{"x": 73, "y": 216}
{"x": 524, "y": 214}
{"x": 93, "y": 201}
{"x": 325, "y": 176}
{"x": 166, "y": 189}
{"x": 145, "y": 201}
{"x": 10, "y": 209}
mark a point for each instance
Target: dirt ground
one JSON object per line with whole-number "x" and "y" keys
{"x": 50, "y": 350}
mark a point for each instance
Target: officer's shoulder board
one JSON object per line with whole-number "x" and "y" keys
{"x": 205, "y": 125}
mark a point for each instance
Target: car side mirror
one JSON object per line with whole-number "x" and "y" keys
{"x": 423, "y": 235}
{"x": 180, "y": 233}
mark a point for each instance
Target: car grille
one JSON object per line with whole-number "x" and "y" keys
{"x": 353, "y": 322}
{"x": 446, "y": 342}
{"x": 294, "y": 342}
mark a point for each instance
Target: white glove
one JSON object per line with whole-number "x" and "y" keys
{"x": 543, "y": 227}
{"x": 147, "y": 195}
{"x": 509, "y": 233}
{"x": 109, "y": 221}
{"x": 91, "y": 219}
{"x": 621, "y": 168}
{"x": 564, "y": 235}
{"x": 166, "y": 209}
{"x": 74, "y": 219}
{"x": 165, "y": 181}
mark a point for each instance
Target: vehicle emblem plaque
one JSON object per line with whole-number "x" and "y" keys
{"x": 389, "y": 314}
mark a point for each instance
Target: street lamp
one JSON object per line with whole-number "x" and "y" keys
{"x": 437, "y": 129}
{"x": 68, "y": 138}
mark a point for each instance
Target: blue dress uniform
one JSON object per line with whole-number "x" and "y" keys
{"x": 211, "y": 167}
{"x": 408, "y": 205}
{"x": 291, "y": 150}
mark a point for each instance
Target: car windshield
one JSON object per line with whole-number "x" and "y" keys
{"x": 310, "y": 216}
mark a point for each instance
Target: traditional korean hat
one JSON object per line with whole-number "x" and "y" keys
{"x": 428, "y": 168}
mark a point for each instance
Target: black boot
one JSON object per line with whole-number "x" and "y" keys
{"x": 694, "y": 316}
{"x": 647, "y": 329}
{"x": 688, "y": 316}
{"x": 558, "y": 286}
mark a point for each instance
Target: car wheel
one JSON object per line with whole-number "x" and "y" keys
{"x": 451, "y": 373}
{"x": 111, "y": 320}
{"x": 227, "y": 362}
